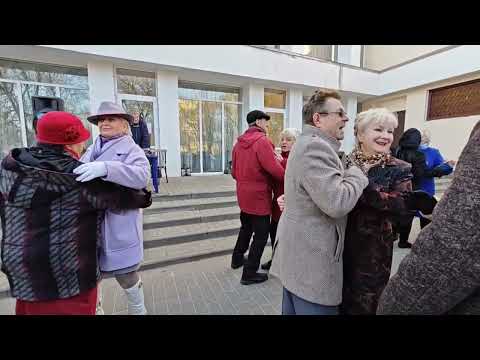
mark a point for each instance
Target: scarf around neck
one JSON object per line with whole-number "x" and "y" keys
{"x": 359, "y": 158}
{"x": 102, "y": 144}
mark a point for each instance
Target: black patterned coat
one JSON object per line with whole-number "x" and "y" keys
{"x": 369, "y": 237}
{"x": 51, "y": 223}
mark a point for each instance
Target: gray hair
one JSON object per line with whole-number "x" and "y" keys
{"x": 375, "y": 116}
{"x": 291, "y": 133}
{"x": 426, "y": 136}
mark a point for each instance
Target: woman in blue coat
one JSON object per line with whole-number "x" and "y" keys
{"x": 435, "y": 166}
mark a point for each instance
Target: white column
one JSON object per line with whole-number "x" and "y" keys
{"x": 101, "y": 86}
{"x": 348, "y": 142}
{"x": 167, "y": 87}
{"x": 252, "y": 96}
{"x": 294, "y": 108}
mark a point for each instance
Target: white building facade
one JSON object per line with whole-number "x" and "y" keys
{"x": 194, "y": 98}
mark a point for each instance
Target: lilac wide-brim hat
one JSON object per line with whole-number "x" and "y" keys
{"x": 108, "y": 108}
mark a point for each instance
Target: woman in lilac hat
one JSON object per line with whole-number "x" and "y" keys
{"x": 116, "y": 158}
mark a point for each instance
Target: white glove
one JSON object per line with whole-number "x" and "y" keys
{"x": 90, "y": 171}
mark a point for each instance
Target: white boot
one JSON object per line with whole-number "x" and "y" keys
{"x": 136, "y": 299}
{"x": 99, "y": 310}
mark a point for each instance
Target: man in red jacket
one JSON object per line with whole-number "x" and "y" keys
{"x": 254, "y": 167}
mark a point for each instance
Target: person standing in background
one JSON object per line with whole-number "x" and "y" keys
{"x": 287, "y": 139}
{"x": 139, "y": 129}
{"x": 435, "y": 166}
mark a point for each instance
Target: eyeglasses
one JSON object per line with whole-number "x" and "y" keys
{"x": 340, "y": 113}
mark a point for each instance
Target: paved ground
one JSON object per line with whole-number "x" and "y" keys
{"x": 192, "y": 184}
{"x": 204, "y": 287}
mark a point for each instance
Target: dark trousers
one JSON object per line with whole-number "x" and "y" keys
{"x": 273, "y": 231}
{"x": 404, "y": 229}
{"x": 424, "y": 222}
{"x": 258, "y": 225}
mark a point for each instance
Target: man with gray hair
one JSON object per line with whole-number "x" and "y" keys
{"x": 319, "y": 194}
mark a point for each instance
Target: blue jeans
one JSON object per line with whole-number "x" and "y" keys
{"x": 293, "y": 305}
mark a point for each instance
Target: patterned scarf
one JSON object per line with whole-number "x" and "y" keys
{"x": 357, "y": 157}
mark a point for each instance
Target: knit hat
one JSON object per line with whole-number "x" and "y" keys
{"x": 61, "y": 128}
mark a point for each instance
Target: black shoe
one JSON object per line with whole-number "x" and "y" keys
{"x": 404, "y": 245}
{"x": 237, "y": 264}
{"x": 254, "y": 278}
{"x": 267, "y": 265}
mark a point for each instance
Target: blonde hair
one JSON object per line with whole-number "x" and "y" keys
{"x": 291, "y": 133}
{"x": 375, "y": 116}
{"x": 127, "y": 130}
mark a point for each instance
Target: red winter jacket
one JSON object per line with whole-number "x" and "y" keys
{"x": 278, "y": 190}
{"x": 255, "y": 168}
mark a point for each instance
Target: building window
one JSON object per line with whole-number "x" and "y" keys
{"x": 10, "y": 121}
{"x": 209, "y": 126}
{"x": 42, "y": 73}
{"x": 324, "y": 52}
{"x": 457, "y": 100}
{"x": 275, "y": 106}
{"x": 195, "y": 91}
{"x": 19, "y": 81}
{"x": 135, "y": 82}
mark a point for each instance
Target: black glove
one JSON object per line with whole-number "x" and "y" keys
{"x": 420, "y": 200}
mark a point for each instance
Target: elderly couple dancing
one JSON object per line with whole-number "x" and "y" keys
{"x": 334, "y": 244}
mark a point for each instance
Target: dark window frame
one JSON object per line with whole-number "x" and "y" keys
{"x": 432, "y": 92}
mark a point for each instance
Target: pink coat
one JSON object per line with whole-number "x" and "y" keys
{"x": 127, "y": 165}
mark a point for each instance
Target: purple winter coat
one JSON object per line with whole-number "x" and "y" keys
{"x": 127, "y": 165}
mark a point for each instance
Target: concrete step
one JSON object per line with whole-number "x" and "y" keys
{"x": 191, "y": 204}
{"x": 182, "y": 253}
{"x": 187, "y": 196}
{"x": 189, "y": 233}
{"x": 186, "y": 217}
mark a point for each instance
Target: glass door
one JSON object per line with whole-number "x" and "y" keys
{"x": 189, "y": 117}
{"x": 146, "y": 110}
{"x": 212, "y": 150}
{"x": 275, "y": 127}
{"x": 208, "y": 130}
{"x": 233, "y": 129}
